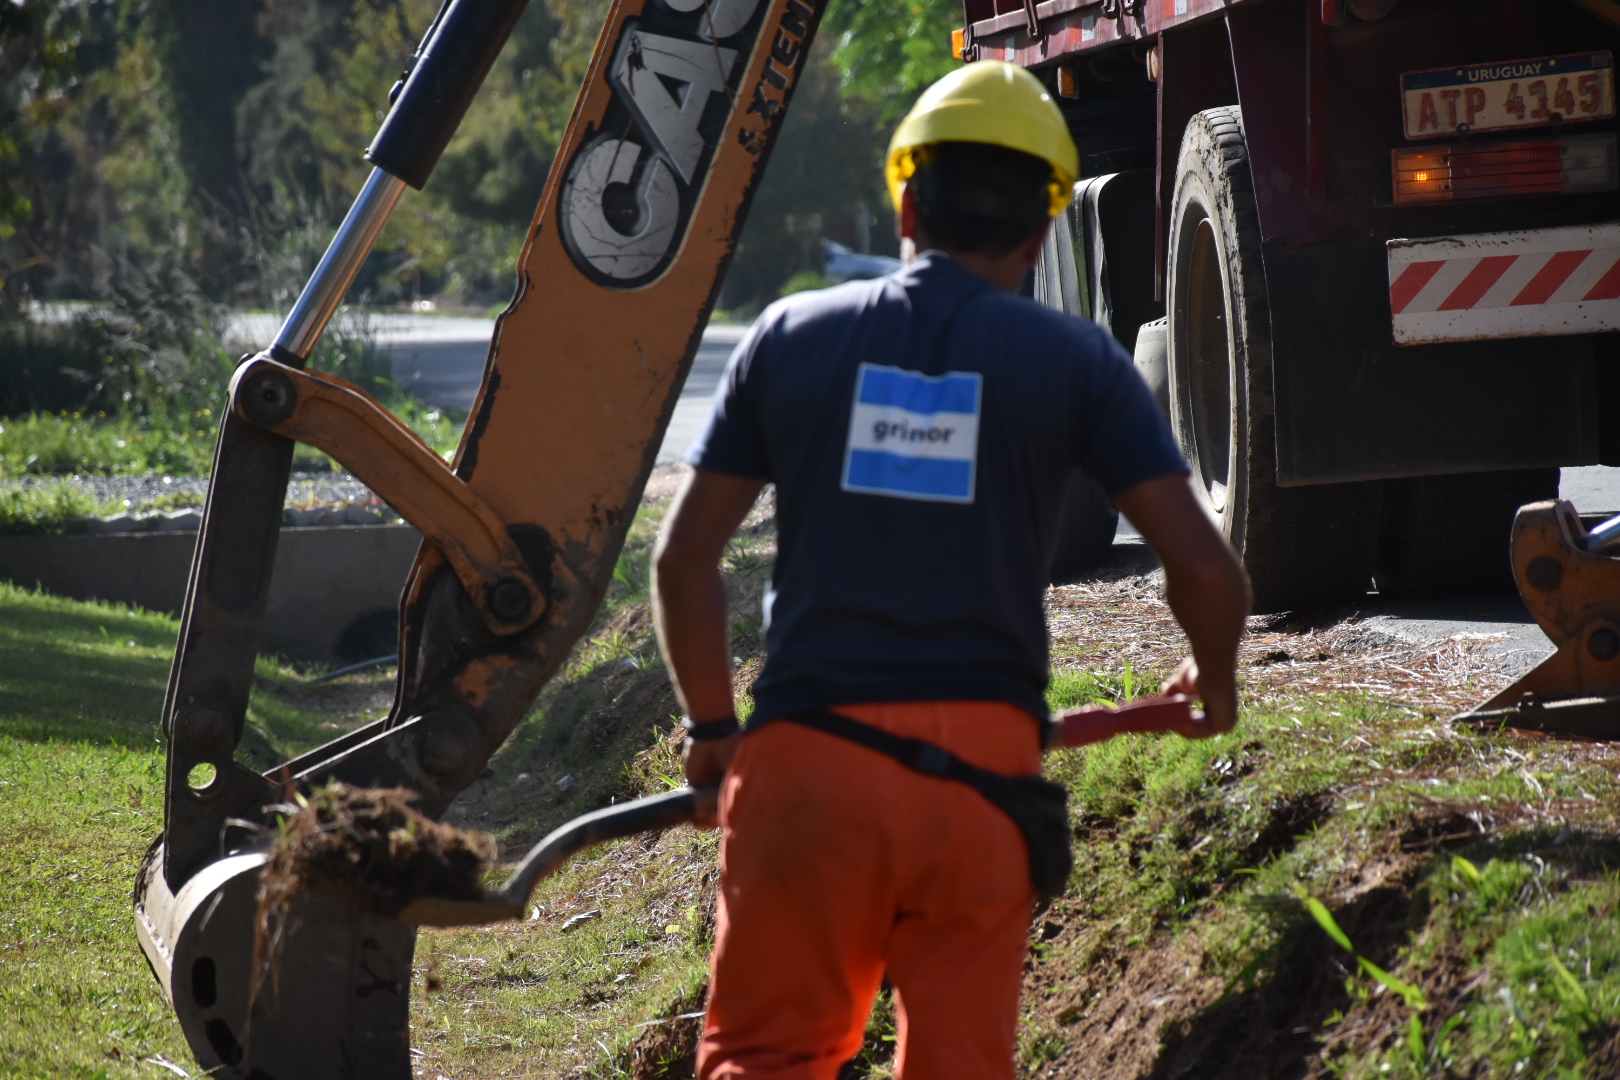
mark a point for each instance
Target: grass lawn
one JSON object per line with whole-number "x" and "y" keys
{"x": 81, "y": 796}
{"x": 1348, "y": 886}
{"x": 77, "y": 997}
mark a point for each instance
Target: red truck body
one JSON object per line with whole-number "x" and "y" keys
{"x": 1320, "y": 87}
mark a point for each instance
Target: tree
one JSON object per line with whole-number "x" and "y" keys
{"x": 212, "y": 55}
{"x": 825, "y": 172}
{"x": 93, "y": 172}
{"x": 305, "y": 127}
{"x": 891, "y": 50}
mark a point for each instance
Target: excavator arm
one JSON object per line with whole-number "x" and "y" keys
{"x": 636, "y": 225}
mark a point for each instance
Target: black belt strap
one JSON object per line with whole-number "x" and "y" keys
{"x": 917, "y": 754}
{"x": 1036, "y": 805}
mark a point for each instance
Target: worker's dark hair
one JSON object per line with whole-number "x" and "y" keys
{"x": 974, "y": 197}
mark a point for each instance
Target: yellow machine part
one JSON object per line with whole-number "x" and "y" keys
{"x": 587, "y": 363}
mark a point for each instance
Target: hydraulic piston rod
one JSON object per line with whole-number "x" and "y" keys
{"x": 344, "y": 256}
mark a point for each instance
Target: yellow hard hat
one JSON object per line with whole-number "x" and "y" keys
{"x": 993, "y": 102}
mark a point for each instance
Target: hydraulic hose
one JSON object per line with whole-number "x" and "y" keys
{"x": 443, "y": 78}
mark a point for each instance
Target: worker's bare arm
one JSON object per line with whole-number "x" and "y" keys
{"x": 689, "y": 606}
{"x": 1205, "y": 586}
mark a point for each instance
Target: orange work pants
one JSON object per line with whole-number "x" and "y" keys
{"x": 838, "y": 863}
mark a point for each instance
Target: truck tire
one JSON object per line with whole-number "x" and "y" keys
{"x": 1086, "y": 529}
{"x": 1444, "y": 535}
{"x": 1302, "y": 546}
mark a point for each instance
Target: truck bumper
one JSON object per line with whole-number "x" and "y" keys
{"x": 1533, "y": 283}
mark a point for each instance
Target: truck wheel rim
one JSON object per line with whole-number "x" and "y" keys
{"x": 1209, "y": 365}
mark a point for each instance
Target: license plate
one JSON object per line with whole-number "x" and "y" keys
{"x": 1502, "y": 97}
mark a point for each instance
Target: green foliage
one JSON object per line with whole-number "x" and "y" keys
{"x": 93, "y": 180}
{"x": 44, "y": 508}
{"x": 633, "y": 574}
{"x": 1324, "y": 918}
{"x": 804, "y": 281}
{"x": 1246, "y": 859}
{"x": 212, "y": 54}
{"x": 891, "y": 50}
{"x": 1558, "y": 975}
{"x": 349, "y": 350}
{"x": 47, "y": 365}
{"x": 72, "y": 671}
{"x": 825, "y": 175}
{"x": 153, "y": 363}
{"x": 55, "y": 506}
{"x": 43, "y": 444}
{"x": 81, "y": 797}
{"x": 180, "y": 442}
{"x": 495, "y": 167}
{"x": 1536, "y": 941}
{"x": 324, "y": 93}
{"x": 1039, "y": 1044}
{"x": 875, "y": 1059}
{"x": 532, "y": 1000}
{"x": 225, "y": 141}
{"x": 439, "y": 428}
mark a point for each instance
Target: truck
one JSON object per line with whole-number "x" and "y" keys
{"x": 1366, "y": 250}
{"x": 1383, "y": 238}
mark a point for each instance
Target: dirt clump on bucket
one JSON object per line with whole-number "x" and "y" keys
{"x": 369, "y": 848}
{"x": 372, "y": 849}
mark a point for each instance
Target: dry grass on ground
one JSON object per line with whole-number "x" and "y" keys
{"x": 1122, "y": 618}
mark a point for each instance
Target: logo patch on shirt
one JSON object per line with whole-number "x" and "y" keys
{"x": 914, "y": 436}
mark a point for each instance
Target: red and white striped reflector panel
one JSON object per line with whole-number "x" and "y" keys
{"x": 1435, "y": 174}
{"x": 1539, "y": 283}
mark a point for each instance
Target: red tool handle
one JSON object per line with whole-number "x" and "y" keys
{"x": 1098, "y": 723}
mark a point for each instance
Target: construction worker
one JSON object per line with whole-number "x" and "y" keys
{"x": 919, "y": 429}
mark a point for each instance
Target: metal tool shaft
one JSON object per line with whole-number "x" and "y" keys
{"x": 610, "y": 823}
{"x": 1604, "y": 536}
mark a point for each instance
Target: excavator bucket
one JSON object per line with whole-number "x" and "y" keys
{"x": 1574, "y": 594}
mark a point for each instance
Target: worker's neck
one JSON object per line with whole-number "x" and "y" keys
{"x": 1006, "y": 272}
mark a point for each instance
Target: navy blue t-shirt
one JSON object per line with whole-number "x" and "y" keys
{"x": 920, "y": 429}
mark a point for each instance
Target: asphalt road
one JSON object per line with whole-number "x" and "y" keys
{"x": 442, "y": 359}
{"x": 1499, "y": 622}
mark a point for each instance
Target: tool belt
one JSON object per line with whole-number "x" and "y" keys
{"x": 1036, "y": 805}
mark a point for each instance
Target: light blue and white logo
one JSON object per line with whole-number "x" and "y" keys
{"x": 914, "y": 436}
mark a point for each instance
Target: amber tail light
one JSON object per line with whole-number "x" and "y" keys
{"x": 1435, "y": 174}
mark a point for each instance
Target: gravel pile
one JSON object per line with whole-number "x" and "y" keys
{"x": 304, "y": 490}
{"x": 312, "y": 499}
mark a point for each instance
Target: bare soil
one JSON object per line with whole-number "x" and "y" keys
{"x": 1122, "y": 619}
{"x": 666, "y": 1048}
{"x": 356, "y": 697}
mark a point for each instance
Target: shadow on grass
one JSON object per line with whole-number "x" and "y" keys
{"x": 77, "y": 671}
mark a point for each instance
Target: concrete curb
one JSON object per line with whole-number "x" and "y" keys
{"x": 331, "y": 583}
